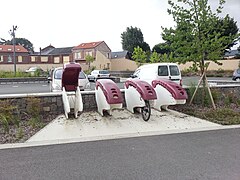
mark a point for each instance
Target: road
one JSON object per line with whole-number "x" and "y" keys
{"x": 18, "y": 88}
{"x": 198, "y": 155}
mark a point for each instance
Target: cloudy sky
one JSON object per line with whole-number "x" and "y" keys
{"x": 68, "y": 23}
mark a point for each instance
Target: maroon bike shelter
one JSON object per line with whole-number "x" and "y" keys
{"x": 145, "y": 89}
{"x": 70, "y": 76}
{"x": 71, "y": 101}
{"x": 175, "y": 89}
{"x": 110, "y": 90}
{"x": 108, "y": 96}
{"x": 139, "y": 95}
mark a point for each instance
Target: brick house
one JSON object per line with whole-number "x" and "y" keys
{"x": 99, "y": 50}
{"x": 52, "y": 55}
{"x": 6, "y": 54}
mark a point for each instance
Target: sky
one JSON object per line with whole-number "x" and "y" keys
{"x": 63, "y": 23}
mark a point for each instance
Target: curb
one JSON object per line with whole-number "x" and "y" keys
{"x": 111, "y": 137}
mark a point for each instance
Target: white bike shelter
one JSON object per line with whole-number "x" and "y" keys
{"x": 137, "y": 92}
{"x": 108, "y": 96}
{"x": 71, "y": 96}
{"x": 168, "y": 93}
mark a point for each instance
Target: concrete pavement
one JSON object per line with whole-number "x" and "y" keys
{"x": 122, "y": 123}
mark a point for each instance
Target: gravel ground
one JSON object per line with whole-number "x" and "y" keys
{"x": 25, "y": 130}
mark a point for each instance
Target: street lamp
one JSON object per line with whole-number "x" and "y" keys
{"x": 12, "y": 33}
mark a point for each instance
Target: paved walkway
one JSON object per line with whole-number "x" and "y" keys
{"x": 92, "y": 126}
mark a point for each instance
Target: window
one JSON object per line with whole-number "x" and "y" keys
{"x": 56, "y": 60}
{"x": 77, "y": 55}
{"x": 1, "y": 58}
{"x": 44, "y": 59}
{"x": 90, "y": 53}
{"x": 162, "y": 70}
{"x": 33, "y": 58}
{"x": 136, "y": 73}
{"x": 9, "y": 58}
{"x": 65, "y": 59}
{"x": 9, "y": 49}
{"x": 20, "y": 58}
{"x": 174, "y": 71}
{"x": 58, "y": 74}
{"x": 82, "y": 75}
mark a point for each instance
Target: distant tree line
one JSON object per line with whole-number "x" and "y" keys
{"x": 19, "y": 41}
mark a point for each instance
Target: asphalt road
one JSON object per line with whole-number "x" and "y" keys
{"x": 19, "y": 88}
{"x": 199, "y": 155}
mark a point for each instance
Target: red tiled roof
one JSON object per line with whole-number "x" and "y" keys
{"x": 88, "y": 45}
{"x": 9, "y": 48}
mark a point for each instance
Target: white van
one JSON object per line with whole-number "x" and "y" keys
{"x": 153, "y": 71}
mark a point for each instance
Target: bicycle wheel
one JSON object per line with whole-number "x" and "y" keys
{"x": 146, "y": 111}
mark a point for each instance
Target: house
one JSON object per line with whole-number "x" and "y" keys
{"x": 122, "y": 61}
{"x": 232, "y": 54}
{"x": 52, "y": 55}
{"x": 120, "y": 55}
{"x": 7, "y": 51}
{"x": 98, "y": 50}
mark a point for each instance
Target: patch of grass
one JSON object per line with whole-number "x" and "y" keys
{"x": 224, "y": 116}
{"x": 33, "y": 109}
{"x": 9, "y": 115}
{"x": 35, "y": 122}
{"x": 10, "y": 74}
{"x": 221, "y": 115}
{"x": 4, "y": 122}
{"x": 20, "y": 133}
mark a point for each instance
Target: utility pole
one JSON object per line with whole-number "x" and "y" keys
{"x": 12, "y": 33}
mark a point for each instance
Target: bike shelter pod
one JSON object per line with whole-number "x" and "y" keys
{"x": 71, "y": 96}
{"x": 108, "y": 96}
{"x": 139, "y": 95}
{"x": 168, "y": 93}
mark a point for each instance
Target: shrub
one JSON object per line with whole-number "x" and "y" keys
{"x": 33, "y": 109}
{"x": 9, "y": 115}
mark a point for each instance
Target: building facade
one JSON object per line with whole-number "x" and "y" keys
{"x": 98, "y": 50}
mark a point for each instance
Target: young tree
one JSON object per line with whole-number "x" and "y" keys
{"x": 133, "y": 37}
{"x": 155, "y": 57}
{"x": 139, "y": 56}
{"x": 89, "y": 60}
{"x": 195, "y": 37}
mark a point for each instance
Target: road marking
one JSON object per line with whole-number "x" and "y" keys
{"x": 15, "y": 86}
{"x": 44, "y": 85}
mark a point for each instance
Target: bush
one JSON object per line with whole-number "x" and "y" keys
{"x": 8, "y": 115}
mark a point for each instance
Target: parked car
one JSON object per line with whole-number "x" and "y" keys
{"x": 56, "y": 80}
{"x": 98, "y": 74}
{"x": 35, "y": 70}
{"x": 153, "y": 71}
{"x": 236, "y": 75}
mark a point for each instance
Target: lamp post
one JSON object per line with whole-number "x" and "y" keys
{"x": 12, "y": 33}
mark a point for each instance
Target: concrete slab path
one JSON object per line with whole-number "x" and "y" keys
{"x": 122, "y": 123}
